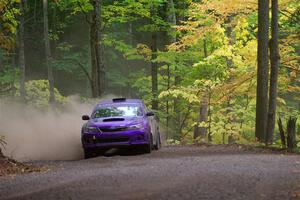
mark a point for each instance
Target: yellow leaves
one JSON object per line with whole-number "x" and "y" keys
{"x": 145, "y": 51}
{"x": 209, "y": 17}
{"x": 241, "y": 30}
{"x": 224, "y": 51}
{"x": 245, "y": 48}
{"x": 238, "y": 85}
{"x": 183, "y": 92}
{"x": 248, "y": 53}
{"x": 226, "y": 8}
{"x": 218, "y": 35}
{"x": 8, "y": 23}
{"x": 285, "y": 3}
{"x": 289, "y": 5}
{"x": 289, "y": 58}
{"x": 6, "y": 42}
{"x": 281, "y": 101}
{"x": 291, "y": 39}
{"x": 294, "y": 90}
{"x": 206, "y": 83}
{"x": 3, "y": 4}
{"x": 216, "y": 32}
{"x": 293, "y": 74}
{"x": 37, "y": 94}
{"x": 203, "y": 124}
{"x": 185, "y": 41}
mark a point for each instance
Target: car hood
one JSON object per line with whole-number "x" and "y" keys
{"x": 114, "y": 121}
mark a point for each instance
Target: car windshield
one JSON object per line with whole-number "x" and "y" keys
{"x": 118, "y": 111}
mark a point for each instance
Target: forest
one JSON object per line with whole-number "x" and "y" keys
{"x": 214, "y": 71}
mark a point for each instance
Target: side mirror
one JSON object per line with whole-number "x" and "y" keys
{"x": 85, "y": 117}
{"x": 149, "y": 114}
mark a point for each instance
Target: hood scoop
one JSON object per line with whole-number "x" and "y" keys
{"x": 114, "y": 120}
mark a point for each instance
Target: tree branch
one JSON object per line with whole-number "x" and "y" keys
{"x": 82, "y": 68}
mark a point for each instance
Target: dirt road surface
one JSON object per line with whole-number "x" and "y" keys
{"x": 171, "y": 173}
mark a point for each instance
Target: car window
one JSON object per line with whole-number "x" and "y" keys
{"x": 118, "y": 111}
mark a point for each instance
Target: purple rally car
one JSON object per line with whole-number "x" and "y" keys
{"x": 118, "y": 123}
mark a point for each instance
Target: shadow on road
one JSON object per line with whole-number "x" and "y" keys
{"x": 119, "y": 152}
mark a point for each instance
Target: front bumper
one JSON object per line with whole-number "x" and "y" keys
{"x": 115, "y": 139}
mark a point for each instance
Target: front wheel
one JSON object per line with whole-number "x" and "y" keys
{"x": 88, "y": 153}
{"x": 148, "y": 147}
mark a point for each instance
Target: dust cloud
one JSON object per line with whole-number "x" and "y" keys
{"x": 32, "y": 134}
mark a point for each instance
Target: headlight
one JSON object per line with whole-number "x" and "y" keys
{"x": 135, "y": 127}
{"x": 91, "y": 129}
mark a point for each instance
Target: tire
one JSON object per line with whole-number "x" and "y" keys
{"x": 149, "y": 147}
{"x": 88, "y": 153}
{"x": 158, "y": 143}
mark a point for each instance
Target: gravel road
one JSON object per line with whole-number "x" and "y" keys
{"x": 172, "y": 173}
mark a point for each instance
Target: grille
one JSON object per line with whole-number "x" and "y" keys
{"x": 107, "y": 140}
{"x": 113, "y": 129}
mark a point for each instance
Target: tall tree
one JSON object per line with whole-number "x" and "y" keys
{"x": 154, "y": 65}
{"x": 181, "y": 16}
{"x": 203, "y": 110}
{"x": 171, "y": 19}
{"x": 262, "y": 70}
{"x": 21, "y": 51}
{"x": 96, "y": 47}
{"x": 48, "y": 53}
{"x": 274, "y": 60}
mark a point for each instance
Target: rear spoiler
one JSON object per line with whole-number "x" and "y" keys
{"x": 119, "y": 99}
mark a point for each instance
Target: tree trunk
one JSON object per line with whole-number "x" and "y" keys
{"x": 230, "y": 110}
{"x": 179, "y": 116}
{"x": 154, "y": 71}
{"x": 154, "y": 66}
{"x": 171, "y": 19}
{"x": 209, "y": 135}
{"x": 203, "y": 109}
{"x": 94, "y": 86}
{"x": 128, "y": 68}
{"x": 201, "y": 130}
{"x": 96, "y": 48}
{"x": 262, "y": 70}
{"x": 171, "y": 14}
{"x": 281, "y": 131}
{"x": 291, "y": 134}
{"x": 48, "y": 53}
{"x": 168, "y": 104}
{"x": 22, "y": 52}
{"x": 274, "y": 59}
{"x": 100, "y": 48}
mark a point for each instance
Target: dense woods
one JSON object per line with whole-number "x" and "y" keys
{"x": 214, "y": 71}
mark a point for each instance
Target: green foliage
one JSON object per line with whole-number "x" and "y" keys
{"x": 72, "y": 61}
{"x": 78, "y": 5}
{"x": 143, "y": 85}
{"x": 213, "y": 54}
{"x": 37, "y": 94}
{"x": 9, "y": 75}
{"x": 173, "y": 142}
{"x": 9, "y": 10}
{"x": 9, "y": 78}
{"x": 116, "y": 78}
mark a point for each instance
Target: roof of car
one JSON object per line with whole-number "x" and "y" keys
{"x": 120, "y": 100}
